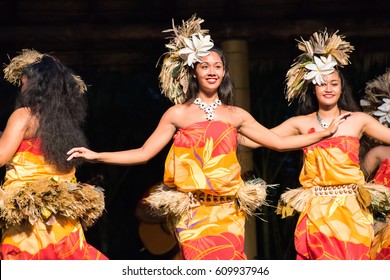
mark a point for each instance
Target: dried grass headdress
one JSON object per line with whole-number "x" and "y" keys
{"x": 186, "y": 47}
{"x": 321, "y": 53}
{"x": 14, "y": 70}
{"x": 376, "y": 101}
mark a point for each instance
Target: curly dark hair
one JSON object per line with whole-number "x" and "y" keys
{"x": 54, "y": 97}
{"x": 346, "y": 101}
{"x": 226, "y": 88}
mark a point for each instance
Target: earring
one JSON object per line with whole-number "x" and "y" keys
{"x": 194, "y": 76}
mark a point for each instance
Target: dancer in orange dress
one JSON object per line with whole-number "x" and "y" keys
{"x": 333, "y": 201}
{"x": 376, "y": 162}
{"x": 44, "y": 210}
{"x": 203, "y": 191}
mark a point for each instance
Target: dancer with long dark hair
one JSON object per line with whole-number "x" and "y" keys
{"x": 44, "y": 209}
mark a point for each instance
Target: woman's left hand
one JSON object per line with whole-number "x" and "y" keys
{"x": 83, "y": 153}
{"x": 337, "y": 121}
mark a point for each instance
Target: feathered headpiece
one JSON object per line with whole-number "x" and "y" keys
{"x": 321, "y": 53}
{"x": 14, "y": 70}
{"x": 186, "y": 47}
{"x": 376, "y": 101}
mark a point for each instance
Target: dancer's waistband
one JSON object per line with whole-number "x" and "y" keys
{"x": 351, "y": 189}
{"x": 205, "y": 198}
{"x": 168, "y": 201}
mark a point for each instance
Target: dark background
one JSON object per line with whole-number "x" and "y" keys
{"x": 115, "y": 46}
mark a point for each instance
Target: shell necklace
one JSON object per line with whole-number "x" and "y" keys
{"x": 208, "y": 109}
{"x": 322, "y": 123}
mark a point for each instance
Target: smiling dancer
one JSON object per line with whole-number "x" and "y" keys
{"x": 333, "y": 202}
{"x": 203, "y": 191}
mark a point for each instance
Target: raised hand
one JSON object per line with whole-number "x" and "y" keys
{"x": 337, "y": 121}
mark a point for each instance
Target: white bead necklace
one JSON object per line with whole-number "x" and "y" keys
{"x": 208, "y": 109}
{"x": 322, "y": 123}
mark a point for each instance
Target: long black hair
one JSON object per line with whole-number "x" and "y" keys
{"x": 226, "y": 88}
{"x": 54, "y": 97}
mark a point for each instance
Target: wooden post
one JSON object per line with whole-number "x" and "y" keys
{"x": 236, "y": 52}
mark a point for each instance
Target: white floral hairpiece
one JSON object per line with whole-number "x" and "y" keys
{"x": 186, "y": 47}
{"x": 383, "y": 112}
{"x": 196, "y": 48}
{"x": 376, "y": 101}
{"x": 321, "y": 54}
{"x": 321, "y": 66}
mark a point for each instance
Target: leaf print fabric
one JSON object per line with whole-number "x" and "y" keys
{"x": 333, "y": 227}
{"x": 58, "y": 238}
{"x": 382, "y": 176}
{"x": 203, "y": 158}
{"x": 381, "y": 245}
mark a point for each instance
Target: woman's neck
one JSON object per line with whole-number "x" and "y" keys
{"x": 325, "y": 117}
{"x": 329, "y": 112}
{"x": 208, "y": 98}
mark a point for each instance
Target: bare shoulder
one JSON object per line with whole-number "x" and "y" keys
{"x": 176, "y": 110}
{"x": 20, "y": 122}
{"x": 301, "y": 118}
{"x": 237, "y": 116}
{"x": 363, "y": 119}
{"x": 235, "y": 110}
{"x": 177, "y": 115}
{"x": 361, "y": 116}
{"x": 21, "y": 115}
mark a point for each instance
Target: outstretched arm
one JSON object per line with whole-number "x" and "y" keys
{"x": 288, "y": 127}
{"x": 153, "y": 145}
{"x": 245, "y": 141}
{"x": 272, "y": 139}
{"x": 374, "y": 158}
{"x": 373, "y": 128}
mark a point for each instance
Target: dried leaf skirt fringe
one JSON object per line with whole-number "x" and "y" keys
{"x": 171, "y": 202}
{"x": 40, "y": 199}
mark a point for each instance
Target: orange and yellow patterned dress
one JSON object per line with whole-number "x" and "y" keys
{"x": 381, "y": 245}
{"x": 43, "y": 213}
{"x": 202, "y": 160}
{"x": 333, "y": 224}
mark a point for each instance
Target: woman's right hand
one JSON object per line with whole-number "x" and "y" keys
{"x": 82, "y": 153}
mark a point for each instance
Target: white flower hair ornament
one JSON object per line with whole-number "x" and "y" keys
{"x": 186, "y": 47}
{"x": 376, "y": 101}
{"x": 322, "y": 53}
{"x": 383, "y": 112}
{"x": 197, "y": 47}
{"x": 321, "y": 66}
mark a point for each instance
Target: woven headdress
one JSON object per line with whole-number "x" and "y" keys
{"x": 376, "y": 101}
{"x": 14, "y": 70}
{"x": 321, "y": 54}
{"x": 187, "y": 45}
